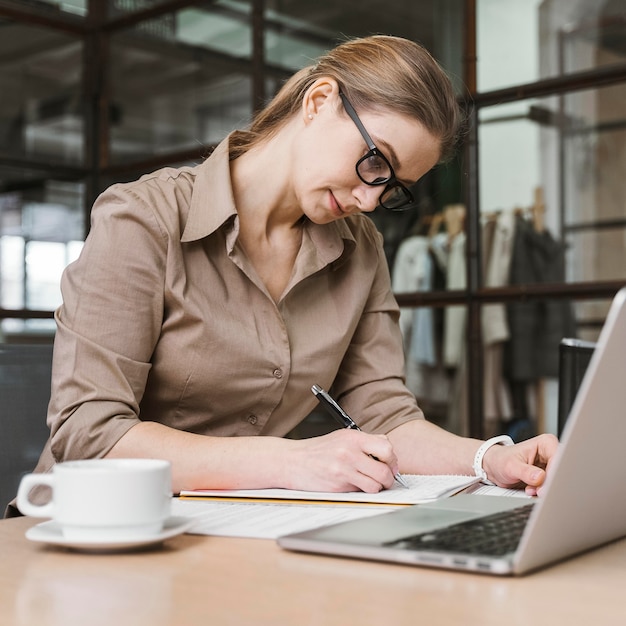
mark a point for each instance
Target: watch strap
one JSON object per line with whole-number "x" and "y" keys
{"x": 503, "y": 440}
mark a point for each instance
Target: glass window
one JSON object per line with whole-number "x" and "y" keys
{"x": 594, "y": 146}
{"x": 297, "y": 32}
{"x": 225, "y": 27}
{"x": 510, "y": 154}
{"x": 333, "y": 21}
{"x": 14, "y": 330}
{"x": 45, "y": 262}
{"x": 41, "y": 231}
{"x": 120, "y": 7}
{"x": 12, "y": 255}
{"x": 592, "y": 33}
{"x": 522, "y": 41}
{"x": 75, "y": 7}
{"x": 556, "y": 163}
{"x": 181, "y": 88}
{"x": 41, "y": 112}
{"x": 507, "y": 43}
{"x": 221, "y": 25}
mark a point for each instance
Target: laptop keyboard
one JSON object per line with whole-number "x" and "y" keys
{"x": 492, "y": 535}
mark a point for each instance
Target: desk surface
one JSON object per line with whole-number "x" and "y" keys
{"x": 222, "y": 581}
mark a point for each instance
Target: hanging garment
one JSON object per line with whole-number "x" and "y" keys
{"x": 536, "y": 326}
{"x": 450, "y": 255}
{"x": 412, "y": 272}
{"x": 495, "y": 328}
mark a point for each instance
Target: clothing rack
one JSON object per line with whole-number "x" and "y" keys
{"x": 535, "y": 212}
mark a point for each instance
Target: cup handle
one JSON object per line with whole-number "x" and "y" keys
{"x": 25, "y": 505}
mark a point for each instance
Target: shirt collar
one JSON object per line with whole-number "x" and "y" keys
{"x": 213, "y": 187}
{"x": 332, "y": 241}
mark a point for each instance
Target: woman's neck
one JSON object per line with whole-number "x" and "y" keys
{"x": 261, "y": 180}
{"x": 270, "y": 220}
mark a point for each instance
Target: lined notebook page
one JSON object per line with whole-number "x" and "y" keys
{"x": 423, "y": 488}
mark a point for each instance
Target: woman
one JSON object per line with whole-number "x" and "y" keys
{"x": 208, "y": 300}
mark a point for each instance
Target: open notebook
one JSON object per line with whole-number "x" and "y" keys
{"x": 421, "y": 489}
{"x": 583, "y": 504}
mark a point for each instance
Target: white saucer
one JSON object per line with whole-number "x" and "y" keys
{"x": 50, "y": 532}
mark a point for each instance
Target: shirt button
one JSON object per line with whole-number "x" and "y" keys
{"x": 278, "y": 373}
{"x": 252, "y": 419}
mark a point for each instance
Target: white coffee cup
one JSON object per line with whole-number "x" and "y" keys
{"x": 103, "y": 499}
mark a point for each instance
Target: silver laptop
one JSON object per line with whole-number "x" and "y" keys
{"x": 582, "y": 506}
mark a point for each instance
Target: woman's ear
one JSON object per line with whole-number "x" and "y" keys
{"x": 324, "y": 92}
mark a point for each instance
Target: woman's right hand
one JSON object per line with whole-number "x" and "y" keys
{"x": 342, "y": 461}
{"x": 339, "y": 461}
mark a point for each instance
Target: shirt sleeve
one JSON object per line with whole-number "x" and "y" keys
{"x": 107, "y": 327}
{"x": 370, "y": 382}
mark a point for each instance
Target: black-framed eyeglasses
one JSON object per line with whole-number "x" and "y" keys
{"x": 374, "y": 169}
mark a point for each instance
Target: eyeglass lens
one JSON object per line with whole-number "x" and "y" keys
{"x": 395, "y": 197}
{"x": 373, "y": 169}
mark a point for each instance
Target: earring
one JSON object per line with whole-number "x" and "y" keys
{"x": 310, "y": 116}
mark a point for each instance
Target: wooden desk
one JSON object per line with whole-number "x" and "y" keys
{"x": 217, "y": 581}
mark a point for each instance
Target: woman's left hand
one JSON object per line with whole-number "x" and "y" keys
{"x": 525, "y": 464}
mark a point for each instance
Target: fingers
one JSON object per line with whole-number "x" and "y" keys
{"x": 373, "y": 475}
{"x": 360, "y": 461}
{"x": 379, "y": 447}
{"x": 531, "y": 476}
{"x": 547, "y": 446}
{"x": 528, "y": 463}
{"x": 547, "y": 449}
{"x": 540, "y": 454}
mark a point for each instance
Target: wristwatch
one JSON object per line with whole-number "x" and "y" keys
{"x": 503, "y": 440}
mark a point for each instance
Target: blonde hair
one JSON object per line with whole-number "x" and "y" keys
{"x": 377, "y": 72}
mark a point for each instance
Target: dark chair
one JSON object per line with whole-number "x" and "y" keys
{"x": 574, "y": 357}
{"x": 25, "y": 372}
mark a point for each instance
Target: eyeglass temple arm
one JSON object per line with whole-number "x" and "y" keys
{"x": 355, "y": 118}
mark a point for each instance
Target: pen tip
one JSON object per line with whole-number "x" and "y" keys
{"x": 401, "y": 480}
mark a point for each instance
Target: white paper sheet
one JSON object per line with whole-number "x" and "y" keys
{"x": 493, "y": 490}
{"x": 265, "y": 521}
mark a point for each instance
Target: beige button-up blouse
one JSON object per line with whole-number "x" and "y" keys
{"x": 164, "y": 319}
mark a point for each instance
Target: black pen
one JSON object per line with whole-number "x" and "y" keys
{"x": 343, "y": 418}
